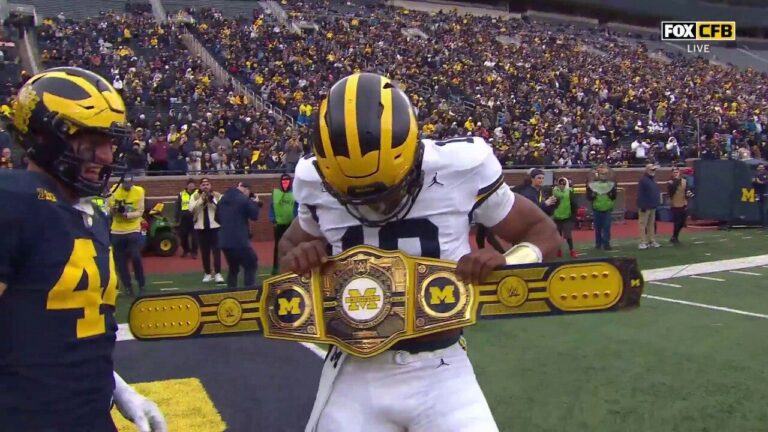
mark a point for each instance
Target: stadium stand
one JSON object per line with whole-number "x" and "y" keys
{"x": 556, "y": 93}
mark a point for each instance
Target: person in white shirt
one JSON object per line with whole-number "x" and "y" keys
{"x": 641, "y": 150}
{"x": 203, "y": 204}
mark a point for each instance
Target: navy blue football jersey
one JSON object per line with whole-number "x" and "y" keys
{"x": 57, "y": 325}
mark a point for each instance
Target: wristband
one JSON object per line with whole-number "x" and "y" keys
{"x": 523, "y": 253}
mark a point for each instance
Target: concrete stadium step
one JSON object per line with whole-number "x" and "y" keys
{"x": 228, "y": 8}
{"x": 78, "y": 10}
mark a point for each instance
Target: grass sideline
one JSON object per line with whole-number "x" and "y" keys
{"x": 698, "y": 246}
{"x": 662, "y": 367}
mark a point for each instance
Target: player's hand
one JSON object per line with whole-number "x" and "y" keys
{"x": 476, "y": 266}
{"x": 137, "y": 409}
{"x": 304, "y": 257}
{"x": 550, "y": 201}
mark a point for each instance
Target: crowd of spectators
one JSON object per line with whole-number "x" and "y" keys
{"x": 184, "y": 120}
{"x": 545, "y": 94}
{"x": 542, "y": 94}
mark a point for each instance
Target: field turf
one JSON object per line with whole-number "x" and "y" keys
{"x": 691, "y": 358}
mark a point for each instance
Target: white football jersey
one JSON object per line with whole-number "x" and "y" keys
{"x": 463, "y": 183}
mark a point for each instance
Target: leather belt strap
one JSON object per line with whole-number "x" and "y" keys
{"x": 365, "y": 300}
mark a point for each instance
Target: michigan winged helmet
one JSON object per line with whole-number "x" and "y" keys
{"x": 57, "y": 104}
{"x": 367, "y": 149}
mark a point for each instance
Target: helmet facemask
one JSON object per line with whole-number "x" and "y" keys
{"x": 53, "y": 109}
{"x": 67, "y": 166}
{"x": 376, "y": 205}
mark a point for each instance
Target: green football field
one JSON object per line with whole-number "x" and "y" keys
{"x": 691, "y": 358}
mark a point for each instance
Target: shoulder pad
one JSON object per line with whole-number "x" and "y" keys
{"x": 22, "y": 182}
{"x": 307, "y": 184}
{"x": 457, "y": 154}
{"x": 305, "y": 169}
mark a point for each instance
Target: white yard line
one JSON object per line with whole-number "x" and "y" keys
{"x": 124, "y": 333}
{"x": 654, "y": 275}
{"x": 713, "y": 279}
{"x": 666, "y": 284}
{"x": 705, "y": 267}
{"x": 695, "y": 270}
{"x": 315, "y": 349}
{"x": 169, "y": 289}
{"x": 706, "y": 306}
{"x": 162, "y": 282}
{"x": 745, "y": 273}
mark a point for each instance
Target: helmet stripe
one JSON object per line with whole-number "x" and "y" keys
{"x": 334, "y": 117}
{"x": 350, "y": 117}
{"x": 320, "y": 131}
{"x": 386, "y": 121}
{"x": 401, "y": 118}
{"x": 72, "y": 89}
{"x": 369, "y": 89}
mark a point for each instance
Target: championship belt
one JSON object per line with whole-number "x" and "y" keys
{"x": 365, "y": 300}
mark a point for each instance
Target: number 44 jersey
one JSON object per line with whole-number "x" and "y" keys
{"x": 57, "y": 329}
{"x": 463, "y": 183}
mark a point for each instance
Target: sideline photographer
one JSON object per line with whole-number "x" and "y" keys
{"x": 203, "y": 205}
{"x": 127, "y": 208}
{"x": 237, "y": 207}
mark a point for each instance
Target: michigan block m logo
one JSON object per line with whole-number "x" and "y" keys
{"x": 367, "y": 300}
{"x": 289, "y": 307}
{"x": 748, "y": 195}
{"x": 439, "y": 295}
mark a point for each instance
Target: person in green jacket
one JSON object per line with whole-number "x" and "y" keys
{"x": 282, "y": 210}
{"x": 602, "y": 193}
{"x": 564, "y": 213}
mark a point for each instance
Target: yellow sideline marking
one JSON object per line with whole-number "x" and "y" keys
{"x": 184, "y": 403}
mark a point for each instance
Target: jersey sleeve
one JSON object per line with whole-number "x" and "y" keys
{"x": 494, "y": 199}
{"x": 307, "y": 188}
{"x": 308, "y": 220}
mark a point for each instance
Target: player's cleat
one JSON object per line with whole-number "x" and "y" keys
{"x": 219, "y": 278}
{"x": 366, "y": 299}
{"x": 207, "y": 278}
{"x": 574, "y": 254}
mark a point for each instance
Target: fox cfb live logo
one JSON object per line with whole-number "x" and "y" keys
{"x": 698, "y": 31}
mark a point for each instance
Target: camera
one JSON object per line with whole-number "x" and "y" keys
{"x": 121, "y": 207}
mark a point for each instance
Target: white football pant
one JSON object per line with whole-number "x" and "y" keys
{"x": 398, "y": 391}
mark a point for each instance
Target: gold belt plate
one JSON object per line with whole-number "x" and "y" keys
{"x": 365, "y": 300}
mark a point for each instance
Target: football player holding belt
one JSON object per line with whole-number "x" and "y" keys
{"x": 57, "y": 276}
{"x": 373, "y": 182}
